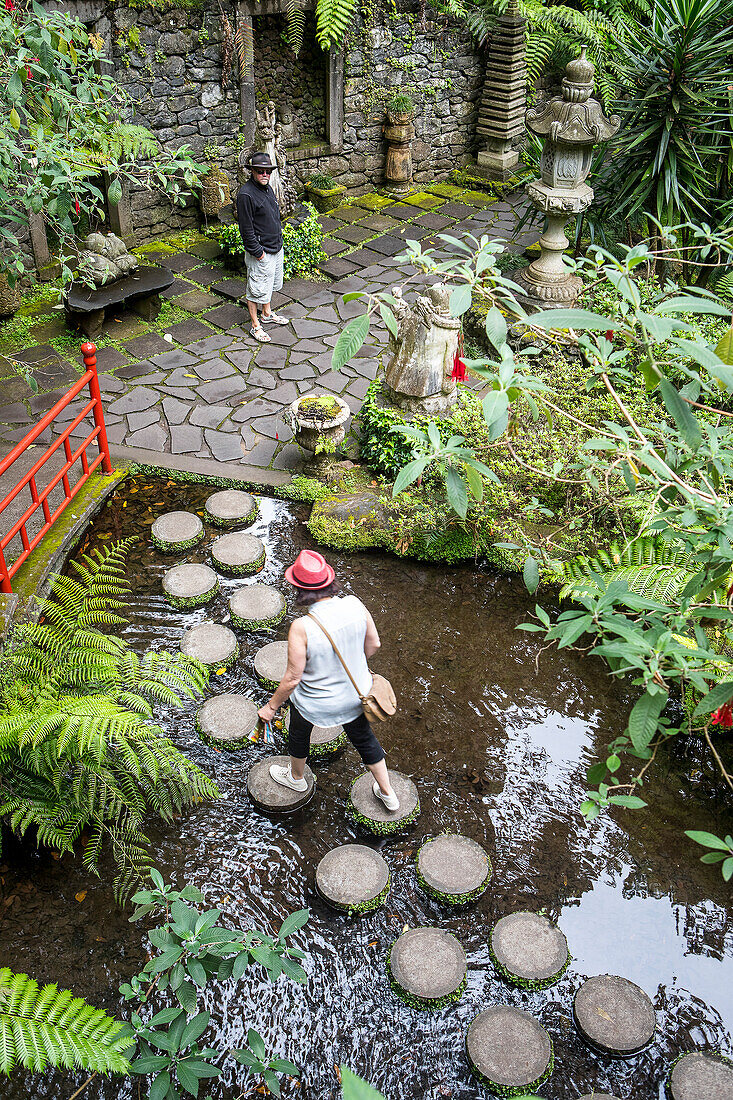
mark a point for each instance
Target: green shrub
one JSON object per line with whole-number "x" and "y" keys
{"x": 400, "y": 103}
{"x": 322, "y": 181}
{"x": 303, "y": 244}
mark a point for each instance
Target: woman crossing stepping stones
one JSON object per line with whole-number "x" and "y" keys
{"x": 315, "y": 682}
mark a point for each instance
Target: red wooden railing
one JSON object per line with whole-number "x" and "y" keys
{"x": 39, "y": 498}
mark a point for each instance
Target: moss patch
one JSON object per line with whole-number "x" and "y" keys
{"x": 258, "y": 624}
{"x": 451, "y": 899}
{"x": 245, "y": 570}
{"x": 243, "y": 521}
{"x": 365, "y": 906}
{"x": 526, "y": 983}
{"x": 373, "y": 201}
{"x": 381, "y": 828}
{"x": 425, "y": 200}
{"x": 514, "y": 1090}
{"x": 328, "y": 748}
{"x": 173, "y": 547}
{"x": 445, "y": 190}
{"x": 190, "y": 603}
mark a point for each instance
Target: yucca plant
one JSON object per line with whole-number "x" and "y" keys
{"x": 80, "y": 758}
{"x": 50, "y": 1026}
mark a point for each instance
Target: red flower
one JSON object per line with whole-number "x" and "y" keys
{"x": 10, "y": 6}
{"x": 28, "y": 71}
{"x": 609, "y": 335}
{"x": 723, "y": 716}
{"x": 77, "y": 208}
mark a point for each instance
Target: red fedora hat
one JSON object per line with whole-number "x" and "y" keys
{"x": 310, "y": 570}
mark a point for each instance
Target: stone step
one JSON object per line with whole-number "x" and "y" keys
{"x": 238, "y": 554}
{"x": 189, "y": 586}
{"x": 369, "y": 811}
{"x": 528, "y": 950}
{"x": 701, "y": 1076}
{"x": 214, "y": 645}
{"x": 270, "y": 663}
{"x": 226, "y": 721}
{"x": 614, "y": 1015}
{"x": 231, "y": 508}
{"x": 453, "y": 868}
{"x": 257, "y": 607}
{"x": 271, "y": 796}
{"x": 353, "y": 878}
{"x": 427, "y": 967}
{"x": 508, "y": 1050}
{"x": 176, "y": 531}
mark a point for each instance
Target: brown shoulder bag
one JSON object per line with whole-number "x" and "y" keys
{"x": 381, "y": 702}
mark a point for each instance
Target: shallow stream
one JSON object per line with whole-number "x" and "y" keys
{"x": 497, "y": 739}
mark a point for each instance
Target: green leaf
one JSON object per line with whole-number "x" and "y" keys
{"x": 531, "y": 574}
{"x": 581, "y": 319}
{"x": 727, "y": 869}
{"x": 644, "y": 717}
{"x": 150, "y": 1063}
{"x": 160, "y": 1086}
{"x": 629, "y": 801}
{"x": 14, "y": 119}
{"x": 194, "y": 1029}
{"x": 720, "y": 694}
{"x": 613, "y": 763}
{"x": 187, "y": 1080}
{"x": 353, "y": 295}
{"x": 457, "y": 493}
{"x": 680, "y": 410}
{"x": 495, "y": 325}
{"x": 354, "y": 1088}
{"x": 475, "y": 482}
{"x": 724, "y": 347}
{"x": 649, "y": 374}
{"x": 272, "y": 1082}
{"x": 114, "y": 192}
{"x": 186, "y": 996}
{"x": 389, "y": 318}
{"x": 460, "y": 300}
{"x": 256, "y": 1043}
{"x": 409, "y": 473}
{"x": 282, "y": 1065}
{"x": 351, "y": 339}
{"x": 707, "y": 840}
{"x": 688, "y": 304}
{"x": 197, "y": 972}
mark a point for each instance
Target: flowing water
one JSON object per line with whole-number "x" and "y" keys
{"x": 497, "y": 738}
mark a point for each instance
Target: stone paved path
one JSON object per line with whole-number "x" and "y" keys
{"x": 216, "y": 394}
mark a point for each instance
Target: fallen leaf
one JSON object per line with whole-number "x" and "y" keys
{"x": 373, "y": 943}
{"x": 337, "y": 1071}
{"x": 220, "y": 671}
{"x": 124, "y": 504}
{"x": 604, "y": 1015}
{"x": 81, "y": 895}
{"x": 190, "y": 376}
{"x": 406, "y": 928}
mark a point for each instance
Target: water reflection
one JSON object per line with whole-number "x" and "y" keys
{"x": 499, "y": 748}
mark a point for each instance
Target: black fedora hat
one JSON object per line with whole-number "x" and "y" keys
{"x": 260, "y": 160}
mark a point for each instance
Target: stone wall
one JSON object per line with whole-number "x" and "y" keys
{"x": 295, "y": 84}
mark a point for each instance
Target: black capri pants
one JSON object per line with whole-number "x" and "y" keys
{"x": 359, "y": 732}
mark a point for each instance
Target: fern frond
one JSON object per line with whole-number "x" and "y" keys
{"x": 48, "y": 1026}
{"x": 332, "y": 19}
{"x": 296, "y": 24}
{"x": 648, "y": 566}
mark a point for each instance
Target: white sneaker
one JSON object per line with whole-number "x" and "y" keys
{"x": 284, "y": 777}
{"x": 390, "y": 801}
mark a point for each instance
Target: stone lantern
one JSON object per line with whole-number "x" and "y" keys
{"x": 571, "y": 124}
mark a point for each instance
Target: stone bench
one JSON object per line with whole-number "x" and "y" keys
{"x": 84, "y": 307}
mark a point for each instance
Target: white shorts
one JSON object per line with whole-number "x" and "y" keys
{"x": 264, "y": 276}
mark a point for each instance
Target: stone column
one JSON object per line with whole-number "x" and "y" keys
{"x": 501, "y": 113}
{"x": 39, "y": 245}
{"x": 247, "y": 105}
{"x": 335, "y": 101}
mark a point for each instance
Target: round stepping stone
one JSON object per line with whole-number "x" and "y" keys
{"x": 238, "y": 554}
{"x": 226, "y": 721}
{"x": 598, "y": 1096}
{"x": 176, "y": 531}
{"x": 528, "y": 950}
{"x": 353, "y": 878}
{"x": 367, "y": 810}
{"x": 427, "y": 967}
{"x": 270, "y": 663}
{"x": 453, "y": 868}
{"x": 325, "y": 740}
{"x": 509, "y": 1051}
{"x": 230, "y": 508}
{"x": 701, "y": 1076}
{"x": 257, "y": 607}
{"x": 614, "y": 1014}
{"x": 190, "y": 586}
{"x": 271, "y": 796}
{"x": 211, "y": 644}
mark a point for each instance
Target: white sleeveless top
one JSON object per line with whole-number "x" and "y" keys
{"x": 325, "y": 695}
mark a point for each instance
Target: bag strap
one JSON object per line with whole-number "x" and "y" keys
{"x": 337, "y": 652}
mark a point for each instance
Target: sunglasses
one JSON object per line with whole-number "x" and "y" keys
{"x": 263, "y": 171}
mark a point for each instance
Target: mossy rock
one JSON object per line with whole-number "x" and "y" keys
{"x": 373, "y": 201}
{"x": 350, "y": 521}
{"x": 425, "y": 200}
{"x": 445, "y": 190}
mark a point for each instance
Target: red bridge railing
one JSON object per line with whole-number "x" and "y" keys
{"x": 71, "y": 483}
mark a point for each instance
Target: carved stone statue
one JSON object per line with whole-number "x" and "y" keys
{"x": 419, "y": 375}
{"x": 290, "y": 130}
{"x": 105, "y": 260}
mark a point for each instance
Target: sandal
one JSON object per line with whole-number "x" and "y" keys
{"x": 274, "y": 319}
{"x": 259, "y": 334}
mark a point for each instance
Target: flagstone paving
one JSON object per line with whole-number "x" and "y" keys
{"x": 210, "y": 391}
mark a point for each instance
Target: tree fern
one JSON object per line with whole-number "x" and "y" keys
{"x": 296, "y": 24}
{"x": 648, "y": 566}
{"x": 79, "y": 754}
{"x": 125, "y": 142}
{"x": 332, "y": 19}
{"x": 50, "y": 1026}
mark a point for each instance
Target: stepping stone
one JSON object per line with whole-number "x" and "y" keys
{"x": 367, "y": 810}
{"x": 427, "y": 968}
{"x": 270, "y": 663}
{"x": 598, "y": 1096}
{"x": 271, "y": 796}
{"x": 176, "y": 531}
{"x": 509, "y": 1051}
{"x": 528, "y": 950}
{"x": 700, "y": 1076}
{"x": 326, "y": 740}
{"x": 353, "y": 878}
{"x": 230, "y": 508}
{"x": 214, "y": 645}
{"x": 226, "y": 721}
{"x": 453, "y": 868}
{"x": 190, "y": 586}
{"x": 257, "y": 607}
{"x": 614, "y": 1014}
{"x": 238, "y": 554}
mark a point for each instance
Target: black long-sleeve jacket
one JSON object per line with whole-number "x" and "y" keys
{"x": 258, "y": 215}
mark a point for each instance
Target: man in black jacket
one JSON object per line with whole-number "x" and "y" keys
{"x": 258, "y": 215}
